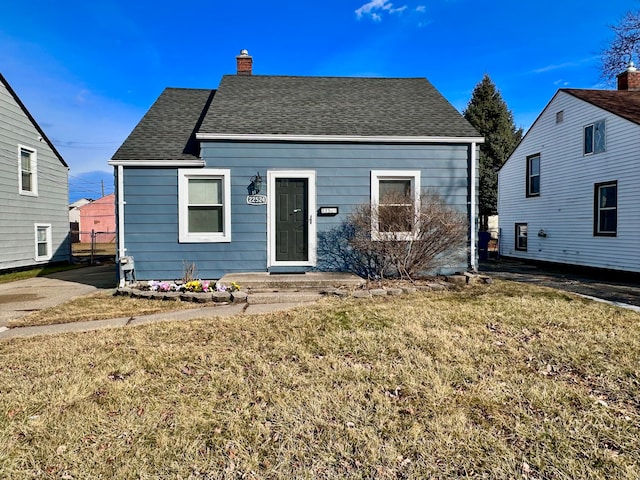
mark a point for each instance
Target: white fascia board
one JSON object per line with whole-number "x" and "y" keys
{"x": 158, "y": 163}
{"x": 334, "y": 138}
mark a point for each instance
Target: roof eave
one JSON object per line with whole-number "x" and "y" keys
{"x": 333, "y": 138}
{"x": 196, "y": 162}
{"x": 32, "y": 120}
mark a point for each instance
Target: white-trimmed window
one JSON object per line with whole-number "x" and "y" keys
{"x": 594, "y": 138}
{"x": 395, "y": 201}
{"x": 42, "y": 241}
{"x": 533, "y": 175}
{"x": 27, "y": 171}
{"x": 605, "y": 209}
{"x": 204, "y": 205}
{"x": 521, "y": 236}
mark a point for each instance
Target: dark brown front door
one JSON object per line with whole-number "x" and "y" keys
{"x": 292, "y": 212}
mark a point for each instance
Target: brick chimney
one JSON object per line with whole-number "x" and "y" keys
{"x": 245, "y": 63}
{"x": 630, "y": 79}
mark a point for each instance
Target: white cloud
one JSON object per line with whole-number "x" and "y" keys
{"x": 375, "y": 8}
{"x": 81, "y": 97}
{"x": 421, "y": 9}
{"x": 559, "y": 66}
{"x": 549, "y": 68}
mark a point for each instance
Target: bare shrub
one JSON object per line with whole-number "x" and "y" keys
{"x": 398, "y": 237}
{"x": 189, "y": 271}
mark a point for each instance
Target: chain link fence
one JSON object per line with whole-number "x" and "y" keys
{"x": 91, "y": 247}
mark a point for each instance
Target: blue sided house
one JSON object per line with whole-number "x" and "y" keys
{"x": 252, "y": 176}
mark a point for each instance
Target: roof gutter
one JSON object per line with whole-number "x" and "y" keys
{"x": 121, "y": 202}
{"x": 240, "y": 137}
{"x": 196, "y": 162}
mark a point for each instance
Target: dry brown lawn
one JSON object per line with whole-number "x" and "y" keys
{"x": 98, "y": 306}
{"x": 507, "y": 381}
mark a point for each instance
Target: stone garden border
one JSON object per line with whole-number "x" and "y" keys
{"x": 239, "y": 296}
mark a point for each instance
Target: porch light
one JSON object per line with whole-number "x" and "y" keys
{"x": 256, "y": 184}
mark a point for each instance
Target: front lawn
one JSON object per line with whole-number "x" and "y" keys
{"x": 98, "y": 306}
{"x": 507, "y": 381}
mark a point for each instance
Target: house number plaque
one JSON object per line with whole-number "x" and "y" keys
{"x": 256, "y": 199}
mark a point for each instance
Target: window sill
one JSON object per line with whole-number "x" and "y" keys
{"x": 205, "y": 239}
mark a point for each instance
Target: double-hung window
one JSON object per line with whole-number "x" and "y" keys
{"x": 521, "y": 236}
{"x": 27, "y": 171}
{"x": 204, "y": 204}
{"x": 605, "y": 212}
{"x": 42, "y": 241}
{"x": 533, "y": 175}
{"x": 594, "y": 138}
{"x": 395, "y": 202}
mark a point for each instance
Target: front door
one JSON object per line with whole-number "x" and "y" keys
{"x": 291, "y": 197}
{"x": 292, "y": 211}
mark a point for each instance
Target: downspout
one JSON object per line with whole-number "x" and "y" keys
{"x": 121, "y": 202}
{"x": 472, "y": 220}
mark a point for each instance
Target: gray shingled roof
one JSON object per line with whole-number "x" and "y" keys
{"x": 332, "y": 106}
{"x": 321, "y": 106}
{"x": 624, "y": 103}
{"x": 167, "y": 131}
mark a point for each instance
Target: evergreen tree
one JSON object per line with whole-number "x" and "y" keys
{"x": 489, "y": 114}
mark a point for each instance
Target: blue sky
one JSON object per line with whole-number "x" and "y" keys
{"x": 88, "y": 71}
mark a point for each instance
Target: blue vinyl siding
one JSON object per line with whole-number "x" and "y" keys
{"x": 342, "y": 179}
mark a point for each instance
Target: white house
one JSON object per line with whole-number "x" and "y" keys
{"x": 570, "y": 192}
{"x": 34, "y": 189}
{"x": 74, "y": 210}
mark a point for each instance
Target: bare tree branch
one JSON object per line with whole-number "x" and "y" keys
{"x": 624, "y": 48}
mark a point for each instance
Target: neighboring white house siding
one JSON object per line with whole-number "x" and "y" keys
{"x": 565, "y": 207}
{"x": 19, "y": 213}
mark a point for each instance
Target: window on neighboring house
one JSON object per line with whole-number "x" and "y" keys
{"x": 560, "y": 116}
{"x": 395, "y": 198}
{"x": 43, "y": 241}
{"x": 521, "y": 236}
{"x": 27, "y": 171}
{"x": 204, "y": 199}
{"x": 533, "y": 175}
{"x": 605, "y": 213}
{"x": 594, "y": 138}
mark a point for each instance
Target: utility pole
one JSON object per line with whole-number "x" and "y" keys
{"x": 102, "y": 183}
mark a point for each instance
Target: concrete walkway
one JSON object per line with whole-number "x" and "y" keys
{"x": 178, "y": 315}
{"x": 22, "y": 297}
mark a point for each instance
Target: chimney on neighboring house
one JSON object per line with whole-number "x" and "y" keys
{"x": 245, "y": 63}
{"x": 629, "y": 79}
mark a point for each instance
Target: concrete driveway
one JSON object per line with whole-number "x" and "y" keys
{"x": 616, "y": 287}
{"x": 22, "y": 297}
